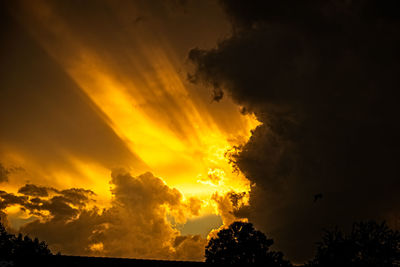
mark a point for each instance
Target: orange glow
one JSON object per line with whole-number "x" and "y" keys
{"x": 153, "y": 110}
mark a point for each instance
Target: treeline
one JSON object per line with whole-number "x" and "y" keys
{"x": 18, "y": 248}
{"x": 368, "y": 244}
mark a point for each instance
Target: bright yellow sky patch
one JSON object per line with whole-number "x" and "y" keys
{"x": 149, "y": 105}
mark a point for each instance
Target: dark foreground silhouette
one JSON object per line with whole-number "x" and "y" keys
{"x": 20, "y": 249}
{"x": 78, "y": 261}
{"x": 368, "y": 244}
{"x": 241, "y": 244}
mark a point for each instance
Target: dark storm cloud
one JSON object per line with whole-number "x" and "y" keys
{"x": 323, "y": 78}
{"x": 34, "y": 201}
{"x": 77, "y": 196}
{"x": 9, "y": 199}
{"x": 59, "y": 207}
{"x": 34, "y": 190}
{"x": 74, "y": 196}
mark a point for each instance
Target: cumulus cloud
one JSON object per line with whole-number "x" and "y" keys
{"x": 34, "y": 190}
{"x": 323, "y": 78}
{"x": 136, "y": 225}
{"x": 228, "y": 205}
{"x": 8, "y": 199}
{"x": 77, "y": 196}
{"x": 189, "y": 247}
{"x": 36, "y": 201}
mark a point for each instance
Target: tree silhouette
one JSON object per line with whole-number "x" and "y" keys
{"x": 6, "y": 245}
{"x": 368, "y": 244}
{"x": 20, "y": 248}
{"x": 240, "y": 243}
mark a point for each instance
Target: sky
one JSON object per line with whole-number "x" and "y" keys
{"x": 96, "y": 92}
{"x": 139, "y": 128}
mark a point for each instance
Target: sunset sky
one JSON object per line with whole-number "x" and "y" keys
{"x": 91, "y": 88}
{"x": 136, "y": 128}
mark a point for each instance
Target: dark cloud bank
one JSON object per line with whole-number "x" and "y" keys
{"x": 323, "y": 78}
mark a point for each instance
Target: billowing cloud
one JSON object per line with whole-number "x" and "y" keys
{"x": 77, "y": 196}
{"x": 228, "y": 205}
{"x": 34, "y": 190}
{"x": 36, "y": 200}
{"x": 141, "y": 205}
{"x": 137, "y": 224}
{"x": 323, "y": 78}
{"x": 8, "y": 199}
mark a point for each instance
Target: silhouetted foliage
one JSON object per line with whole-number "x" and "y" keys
{"x": 5, "y": 243}
{"x": 17, "y": 248}
{"x": 240, "y": 243}
{"x": 368, "y": 244}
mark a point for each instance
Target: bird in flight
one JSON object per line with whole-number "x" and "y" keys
{"x": 317, "y": 196}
